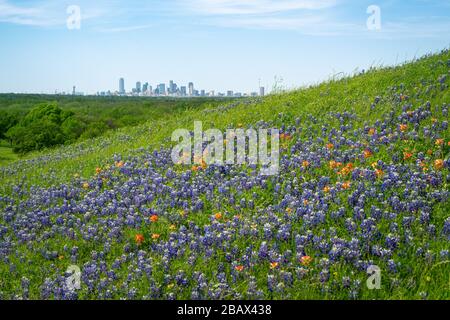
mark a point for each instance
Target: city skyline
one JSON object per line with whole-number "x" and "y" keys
{"x": 172, "y": 89}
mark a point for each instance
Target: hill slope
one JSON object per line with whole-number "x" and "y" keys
{"x": 364, "y": 181}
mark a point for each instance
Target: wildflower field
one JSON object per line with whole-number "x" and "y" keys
{"x": 364, "y": 181}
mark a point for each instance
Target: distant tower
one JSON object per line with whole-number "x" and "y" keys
{"x": 121, "y": 86}
{"x": 191, "y": 89}
{"x": 162, "y": 89}
{"x": 261, "y": 91}
{"x": 138, "y": 87}
{"x": 73, "y": 90}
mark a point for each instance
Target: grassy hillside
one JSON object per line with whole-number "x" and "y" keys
{"x": 364, "y": 181}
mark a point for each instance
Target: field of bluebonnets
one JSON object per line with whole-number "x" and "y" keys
{"x": 364, "y": 180}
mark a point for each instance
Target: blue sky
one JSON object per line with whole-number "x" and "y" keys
{"x": 217, "y": 44}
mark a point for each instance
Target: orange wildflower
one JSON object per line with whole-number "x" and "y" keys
{"x": 305, "y": 164}
{"x": 379, "y": 173}
{"x": 305, "y": 202}
{"x": 273, "y": 265}
{"x": 98, "y": 170}
{"x": 288, "y": 210}
{"x": 139, "y": 238}
{"x": 407, "y": 155}
{"x": 333, "y": 164}
{"x": 367, "y": 153}
{"x": 346, "y": 170}
{"x": 403, "y": 127}
{"x": 239, "y": 268}
{"x": 285, "y": 136}
{"x": 154, "y": 218}
{"x": 326, "y": 189}
{"x": 330, "y": 146}
{"x": 371, "y": 131}
{"x": 218, "y": 216}
{"x": 439, "y": 142}
{"x": 155, "y": 236}
{"x": 439, "y": 164}
{"x": 305, "y": 260}
{"x": 346, "y": 185}
{"x": 119, "y": 164}
{"x": 85, "y": 185}
{"x": 429, "y": 152}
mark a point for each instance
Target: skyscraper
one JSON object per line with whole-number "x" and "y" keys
{"x": 121, "y": 86}
{"x": 183, "y": 90}
{"x": 261, "y": 91}
{"x": 145, "y": 87}
{"x": 172, "y": 87}
{"x": 138, "y": 87}
{"x": 191, "y": 88}
{"x": 162, "y": 89}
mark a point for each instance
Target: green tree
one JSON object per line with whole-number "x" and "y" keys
{"x": 7, "y": 121}
{"x": 72, "y": 128}
{"x": 40, "y": 128}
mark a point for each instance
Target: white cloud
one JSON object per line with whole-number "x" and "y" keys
{"x": 124, "y": 29}
{"x": 254, "y": 7}
{"x": 299, "y": 15}
{"x": 42, "y": 13}
{"x": 21, "y": 15}
{"x": 261, "y": 14}
{"x": 270, "y": 22}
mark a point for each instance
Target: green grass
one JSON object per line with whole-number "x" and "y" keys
{"x": 7, "y": 155}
